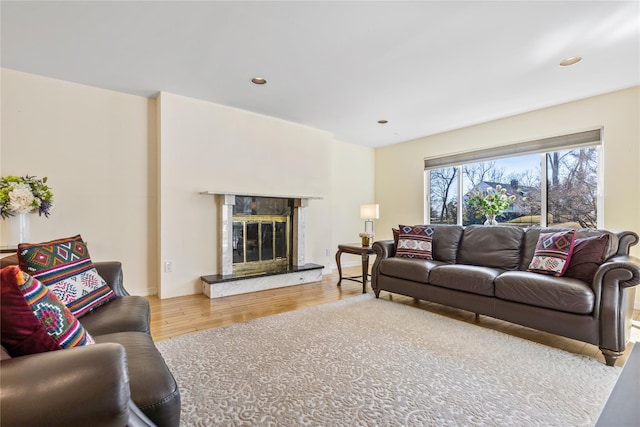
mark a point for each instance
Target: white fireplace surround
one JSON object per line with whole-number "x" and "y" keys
{"x": 225, "y": 201}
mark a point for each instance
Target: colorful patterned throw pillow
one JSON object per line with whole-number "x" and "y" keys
{"x": 414, "y": 241}
{"x": 553, "y": 253}
{"x": 65, "y": 267}
{"x": 33, "y": 319}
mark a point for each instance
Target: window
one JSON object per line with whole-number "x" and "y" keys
{"x": 554, "y": 181}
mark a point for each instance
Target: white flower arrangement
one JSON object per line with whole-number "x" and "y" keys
{"x": 26, "y": 194}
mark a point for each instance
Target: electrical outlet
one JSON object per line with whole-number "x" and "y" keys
{"x": 168, "y": 267}
{"x": 326, "y": 252}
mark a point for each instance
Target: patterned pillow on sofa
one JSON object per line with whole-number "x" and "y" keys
{"x": 33, "y": 320}
{"x": 553, "y": 253}
{"x": 414, "y": 241}
{"x": 65, "y": 266}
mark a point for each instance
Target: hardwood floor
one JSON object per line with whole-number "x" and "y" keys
{"x": 178, "y": 316}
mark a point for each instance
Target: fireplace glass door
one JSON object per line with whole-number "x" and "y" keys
{"x": 260, "y": 243}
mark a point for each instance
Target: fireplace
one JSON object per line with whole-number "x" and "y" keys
{"x": 261, "y": 234}
{"x": 261, "y": 244}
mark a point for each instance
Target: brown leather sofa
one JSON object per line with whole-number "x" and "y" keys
{"x": 483, "y": 269}
{"x": 122, "y": 380}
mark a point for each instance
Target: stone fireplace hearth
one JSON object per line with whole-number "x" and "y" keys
{"x": 261, "y": 244}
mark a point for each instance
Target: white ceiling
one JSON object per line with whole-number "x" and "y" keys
{"x": 425, "y": 66}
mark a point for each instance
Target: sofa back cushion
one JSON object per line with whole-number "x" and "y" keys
{"x": 532, "y": 234}
{"x": 446, "y": 239}
{"x": 491, "y": 246}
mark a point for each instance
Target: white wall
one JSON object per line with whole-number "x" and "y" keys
{"x": 210, "y": 147}
{"x": 94, "y": 146}
{"x": 399, "y": 168}
{"x": 133, "y": 193}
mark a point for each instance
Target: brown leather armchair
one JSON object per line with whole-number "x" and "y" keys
{"x": 122, "y": 380}
{"x": 84, "y": 386}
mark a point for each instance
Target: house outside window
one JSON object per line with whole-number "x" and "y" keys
{"x": 555, "y": 185}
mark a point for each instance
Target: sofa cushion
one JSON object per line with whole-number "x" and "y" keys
{"x": 446, "y": 239}
{"x": 416, "y": 270}
{"x": 553, "y": 253}
{"x": 153, "y": 388}
{"x": 557, "y": 293}
{"x": 414, "y": 241}
{"x": 491, "y": 246}
{"x": 32, "y": 319}
{"x": 468, "y": 278}
{"x": 128, "y": 313}
{"x": 588, "y": 254}
{"x": 64, "y": 265}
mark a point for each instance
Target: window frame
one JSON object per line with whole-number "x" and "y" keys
{"x": 542, "y": 147}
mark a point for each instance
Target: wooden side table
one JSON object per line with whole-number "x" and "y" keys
{"x": 355, "y": 249}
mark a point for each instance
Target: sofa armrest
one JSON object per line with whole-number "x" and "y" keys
{"x": 111, "y": 272}
{"x": 383, "y": 249}
{"x": 626, "y": 239}
{"x": 626, "y": 268}
{"x": 615, "y": 286}
{"x": 87, "y": 385}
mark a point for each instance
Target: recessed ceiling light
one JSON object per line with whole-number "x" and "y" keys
{"x": 383, "y": 122}
{"x": 258, "y": 81}
{"x": 570, "y": 61}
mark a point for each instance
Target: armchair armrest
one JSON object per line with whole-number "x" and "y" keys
{"x": 81, "y": 386}
{"x": 111, "y": 272}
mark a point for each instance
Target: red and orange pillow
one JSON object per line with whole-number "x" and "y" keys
{"x": 33, "y": 319}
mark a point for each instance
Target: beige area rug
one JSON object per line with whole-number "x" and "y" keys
{"x": 368, "y": 362}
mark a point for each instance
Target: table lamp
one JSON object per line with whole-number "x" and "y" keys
{"x": 369, "y": 213}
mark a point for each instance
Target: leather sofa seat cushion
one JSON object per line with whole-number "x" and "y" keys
{"x": 129, "y": 313}
{"x": 491, "y": 246}
{"x": 413, "y": 269}
{"x": 153, "y": 388}
{"x": 467, "y": 278}
{"x": 557, "y": 293}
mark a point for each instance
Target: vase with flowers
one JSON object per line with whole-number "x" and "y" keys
{"x": 22, "y": 195}
{"x": 491, "y": 202}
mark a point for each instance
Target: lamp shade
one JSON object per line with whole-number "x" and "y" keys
{"x": 369, "y": 211}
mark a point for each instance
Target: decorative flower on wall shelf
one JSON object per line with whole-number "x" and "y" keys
{"x": 494, "y": 202}
{"x": 24, "y": 194}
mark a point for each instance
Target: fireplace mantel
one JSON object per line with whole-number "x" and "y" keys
{"x": 240, "y": 193}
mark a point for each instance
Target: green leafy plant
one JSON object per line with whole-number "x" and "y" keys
{"x": 493, "y": 202}
{"x": 24, "y": 194}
